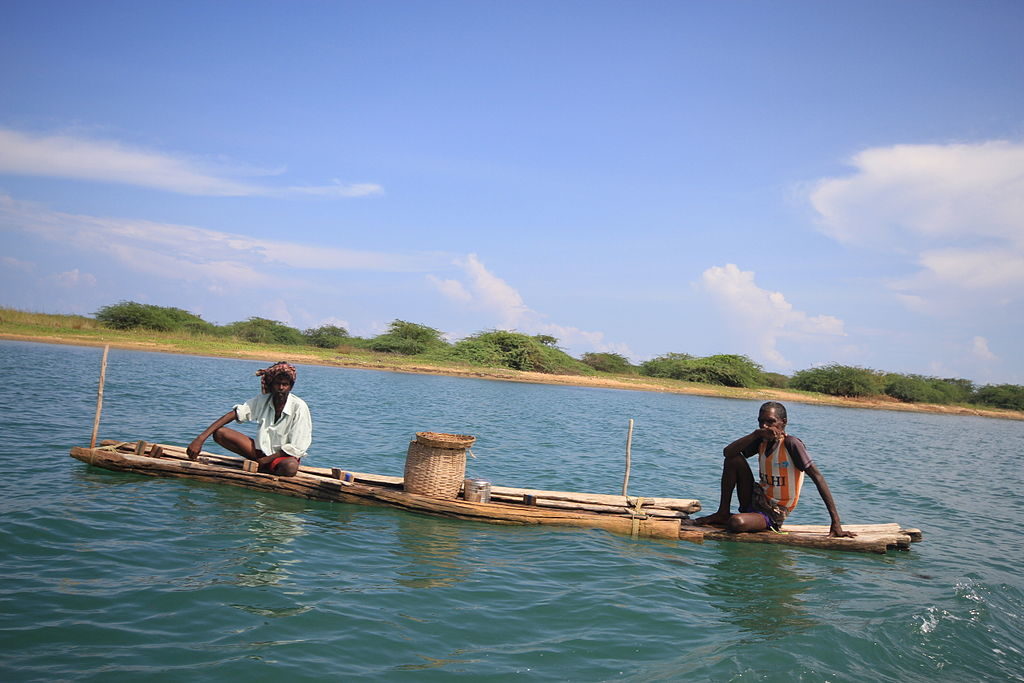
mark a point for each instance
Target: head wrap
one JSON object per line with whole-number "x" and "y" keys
{"x": 268, "y": 375}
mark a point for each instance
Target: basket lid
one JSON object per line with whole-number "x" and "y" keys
{"x": 440, "y": 440}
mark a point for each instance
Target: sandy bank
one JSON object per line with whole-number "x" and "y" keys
{"x": 625, "y": 383}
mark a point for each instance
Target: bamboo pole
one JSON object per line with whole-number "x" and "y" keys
{"x": 629, "y": 446}
{"x": 99, "y": 397}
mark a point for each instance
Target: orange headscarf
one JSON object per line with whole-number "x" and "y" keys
{"x": 268, "y": 375}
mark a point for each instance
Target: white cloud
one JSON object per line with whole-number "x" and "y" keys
{"x": 486, "y": 292}
{"x": 761, "y": 316}
{"x": 956, "y": 211}
{"x": 76, "y": 278}
{"x": 974, "y": 268}
{"x": 980, "y": 350}
{"x": 222, "y": 262}
{"x": 493, "y": 293}
{"x": 68, "y": 156}
{"x": 15, "y": 264}
{"x": 452, "y": 289}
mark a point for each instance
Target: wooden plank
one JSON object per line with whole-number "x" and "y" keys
{"x": 873, "y": 538}
{"x": 686, "y": 505}
{"x": 681, "y": 504}
{"x": 567, "y": 505}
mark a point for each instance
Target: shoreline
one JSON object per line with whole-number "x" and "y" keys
{"x": 639, "y": 383}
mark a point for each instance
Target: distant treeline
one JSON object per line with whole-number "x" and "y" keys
{"x": 540, "y": 353}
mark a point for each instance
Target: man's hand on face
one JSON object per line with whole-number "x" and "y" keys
{"x": 773, "y": 433}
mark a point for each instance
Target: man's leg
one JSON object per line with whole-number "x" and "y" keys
{"x": 284, "y": 466}
{"x": 238, "y": 443}
{"x": 736, "y": 475}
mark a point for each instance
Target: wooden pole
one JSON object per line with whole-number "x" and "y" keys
{"x": 629, "y": 447}
{"x": 99, "y": 397}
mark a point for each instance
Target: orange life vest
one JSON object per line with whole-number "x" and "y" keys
{"x": 780, "y": 478}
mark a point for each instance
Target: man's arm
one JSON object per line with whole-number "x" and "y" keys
{"x": 826, "y": 496}
{"x": 196, "y": 446}
{"x": 743, "y": 445}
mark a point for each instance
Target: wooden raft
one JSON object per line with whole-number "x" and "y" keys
{"x": 317, "y": 483}
{"x": 666, "y": 518}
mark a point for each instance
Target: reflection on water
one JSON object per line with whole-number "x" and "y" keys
{"x": 266, "y": 555}
{"x": 431, "y": 552}
{"x": 759, "y": 589}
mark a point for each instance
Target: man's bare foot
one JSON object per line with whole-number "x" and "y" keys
{"x": 715, "y": 519}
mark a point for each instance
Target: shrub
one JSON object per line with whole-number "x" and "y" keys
{"x": 957, "y": 389}
{"x": 838, "y": 380}
{"x": 1009, "y": 396}
{"x": 407, "y": 338}
{"x": 326, "y": 336}
{"x": 511, "y": 349}
{"x": 406, "y": 347}
{"x": 130, "y": 315}
{"x": 608, "y": 362}
{"x": 725, "y": 369}
{"x": 263, "y": 331}
{"x": 668, "y": 365}
{"x": 909, "y": 388}
{"x": 919, "y": 389}
{"x": 515, "y": 351}
{"x": 774, "y": 380}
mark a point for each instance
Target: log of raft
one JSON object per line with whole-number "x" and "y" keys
{"x": 651, "y": 517}
{"x": 870, "y": 538}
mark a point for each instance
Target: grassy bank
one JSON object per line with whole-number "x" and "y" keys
{"x": 79, "y": 330}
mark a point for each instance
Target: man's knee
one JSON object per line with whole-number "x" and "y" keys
{"x": 735, "y": 462}
{"x": 746, "y": 522}
{"x": 287, "y": 468}
{"x": 223, "y": 436}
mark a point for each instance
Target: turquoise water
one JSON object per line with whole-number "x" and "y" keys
{"x": 116, "y": 577}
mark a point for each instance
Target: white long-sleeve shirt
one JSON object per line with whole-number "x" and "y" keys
{"x": 292, "y": 434}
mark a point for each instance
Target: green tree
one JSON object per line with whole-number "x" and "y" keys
{"x": 920, "y": 389}
{"x": 774, "y": 380}
{"x": 667, "y": 365}
{"x": 326, "y": 336}
{"x": 839, "y": 380}
{"x": 1008, "y": 396}
{"x": 608, "y": 362}
{"x": 263, "y": 331}
{"x": 501, "y": 348}
{"x": 729, "y": 370}
{"x": 130, "y": 315}
{"x": 406, "y": 338}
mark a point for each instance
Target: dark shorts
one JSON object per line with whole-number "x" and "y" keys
{"x": 773, "y": 515}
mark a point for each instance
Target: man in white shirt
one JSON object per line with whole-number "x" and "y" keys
{"x": 285, "y": 426}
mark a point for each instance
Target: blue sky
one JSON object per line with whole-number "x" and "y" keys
{"x": 801, "y": 182}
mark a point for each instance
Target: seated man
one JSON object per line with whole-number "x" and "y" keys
{"x": 782, "y": 461}
{"x": 285, "y": 426}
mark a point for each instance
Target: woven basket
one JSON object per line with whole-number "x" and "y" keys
{"x": 439, "y": 440}
{"x": 435, "y": 472}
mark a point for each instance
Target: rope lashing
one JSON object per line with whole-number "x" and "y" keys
{"x": 635, "y": 514}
